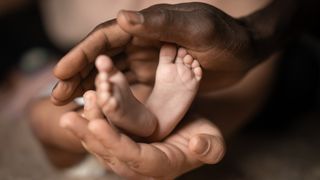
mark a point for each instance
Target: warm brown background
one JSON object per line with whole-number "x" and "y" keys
{"x": 255, "y": 153}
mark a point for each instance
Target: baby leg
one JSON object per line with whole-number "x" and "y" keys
{"x": 118, "y": 103}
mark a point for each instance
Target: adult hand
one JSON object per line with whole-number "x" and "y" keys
{"x": 218, "y": 41}
{"x": 75, "y": 70}
{"x": 194, "y": 143}
{"x": 136, "y": 57}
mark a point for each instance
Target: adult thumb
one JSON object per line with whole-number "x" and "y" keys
{"x": 163, "y": 22}
{"x": 208, "y": 149}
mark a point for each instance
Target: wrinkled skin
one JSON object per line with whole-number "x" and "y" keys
{"x": 217, "y": 40}
{"x": 223, "y": 47}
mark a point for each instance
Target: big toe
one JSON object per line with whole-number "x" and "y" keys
{"x": 104, "y": 63}
{"x": 168, "y": 53}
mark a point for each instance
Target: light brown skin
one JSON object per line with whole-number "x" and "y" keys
{"x": 223, "y": 68}
{"x": 226, "y": 47}
{"x": 185, "y": 149}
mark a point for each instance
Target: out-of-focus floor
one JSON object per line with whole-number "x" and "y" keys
{"x": 252, "y": 155}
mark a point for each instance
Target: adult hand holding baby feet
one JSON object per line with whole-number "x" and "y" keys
{"x": 177, "y": 80}
{"x": 227, "y": 47}
{"x": 198, "y": 141}
{"x": 221, "y": 43}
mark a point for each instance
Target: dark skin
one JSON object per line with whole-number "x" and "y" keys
{"x": 227, "y": 49}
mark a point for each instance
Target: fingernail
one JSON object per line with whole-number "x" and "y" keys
{"x": 55, "y": 86}
{"x": 133, "y": 17}
{"x": 201, "y": 146}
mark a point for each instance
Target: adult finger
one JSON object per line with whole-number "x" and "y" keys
{"x": 105, "y": 37}
{"x": 158, "y": 23}
{"x": 207, "y": 148}
{"x": 192, "y": 25}
{"x": 66, "y": 91}
{"x": 77, "y": 125}
{"x": 142, "y": 158}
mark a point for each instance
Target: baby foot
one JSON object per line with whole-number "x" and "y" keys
{"x": 178, "y": 71}
{"x": 177, "y": 81}
{"x": 118, "y": 103}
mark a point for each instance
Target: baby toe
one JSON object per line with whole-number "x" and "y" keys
{"x": 195, "y": 64}
{"x": 197, "y": 72}
{"x": 101, "y": 78}
{"x": 104, "y": 86}
{"x": 103, "y": 98}
{"x": 182, "y": 52}
{"x": 187, "y": 60}
{"x": 167, "y": 54}
{"x": 111, "y": 105}
{"x": 104, "y": 63}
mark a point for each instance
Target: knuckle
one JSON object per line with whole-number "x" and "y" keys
{"x": 133, "y": 164}
{"x": 158, "y": 15}
{"x": 107, "y": 159}
{"x": 101, "y": 26}
{"x": 206, "y": 27}
{"x": 161, "y": 18}
{"x": 68, "y": 87}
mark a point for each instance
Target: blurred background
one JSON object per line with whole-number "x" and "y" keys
{"x": 281, "y": 143}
